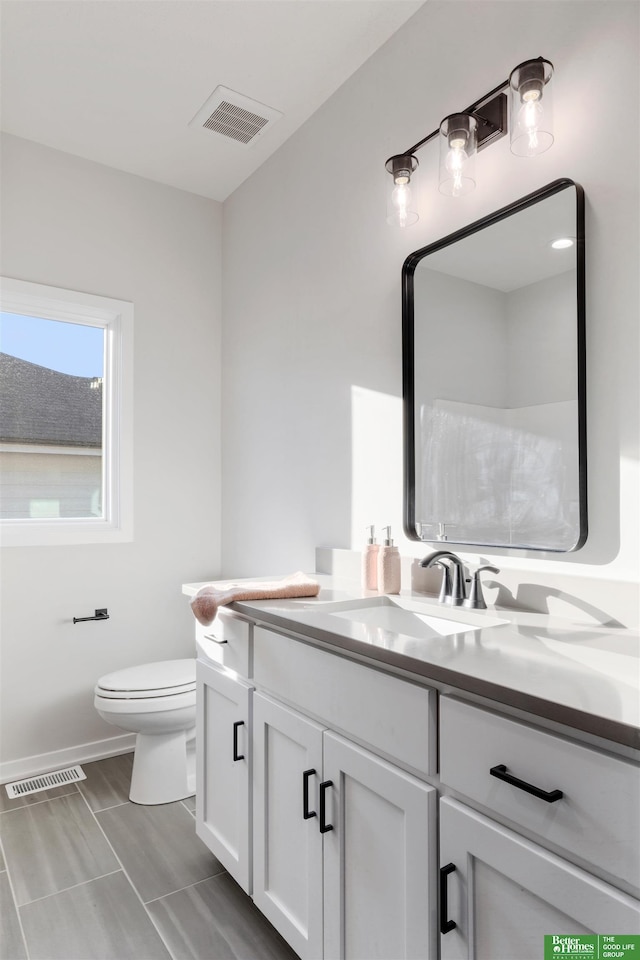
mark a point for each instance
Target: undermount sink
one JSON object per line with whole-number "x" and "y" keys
{"x": 411, "y": 618}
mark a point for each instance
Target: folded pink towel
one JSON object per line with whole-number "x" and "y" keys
{"x": 208, "y": 598}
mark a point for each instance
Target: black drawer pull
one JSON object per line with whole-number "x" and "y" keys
{"x": 549, "y": 796}
{"x": 236, "y": 727}
{"x": 324, "y": 826}
{"x": 306, "y": 813}
{"x": 214, "y": 639}
{"x": 445, "y": 925}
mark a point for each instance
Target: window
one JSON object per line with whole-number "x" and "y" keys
{"x": 65, "y": 416}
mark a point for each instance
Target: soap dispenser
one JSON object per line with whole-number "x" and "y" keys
{"x": 388, "y": 565}
{"x": 370, "y": 562}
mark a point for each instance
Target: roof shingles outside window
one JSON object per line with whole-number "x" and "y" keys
{"x": 43, "y": 406}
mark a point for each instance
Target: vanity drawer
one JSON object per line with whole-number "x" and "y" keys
{"x": 226, "y": 641}
{"x": 393, "y": 716}
{"x": 598, "y": 816}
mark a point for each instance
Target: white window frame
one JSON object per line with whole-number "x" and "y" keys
{"x": 116, "y": 318}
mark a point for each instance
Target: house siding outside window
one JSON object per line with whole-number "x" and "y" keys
{"x": 50, "y": 442}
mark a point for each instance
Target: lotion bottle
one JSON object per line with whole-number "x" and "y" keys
{"x": 388, "y": 565}
{"x": 370, "y": 562}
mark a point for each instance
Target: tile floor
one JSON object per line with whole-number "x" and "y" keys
{"x": 87, "y": 875}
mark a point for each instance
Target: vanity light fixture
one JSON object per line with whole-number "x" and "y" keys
{"x": 464, "y": 134}
{"x": 531, "y": 114}
{"x": 400, "y": 212}
{"x": 458, "y": 145}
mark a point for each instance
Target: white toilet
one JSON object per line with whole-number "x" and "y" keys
{"x": 157, "y": 701}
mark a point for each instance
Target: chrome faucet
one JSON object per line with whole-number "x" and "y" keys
{"x": 453, "y": 590}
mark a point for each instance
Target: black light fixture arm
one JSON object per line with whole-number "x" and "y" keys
{"x": 472, "y": 110}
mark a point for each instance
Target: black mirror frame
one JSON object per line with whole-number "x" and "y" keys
{"x": 408, "y": 380}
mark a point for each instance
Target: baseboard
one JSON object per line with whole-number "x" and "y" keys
{"x": 82, "y": 753}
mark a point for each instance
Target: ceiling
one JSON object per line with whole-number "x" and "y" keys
{"x": 118, "y": 81}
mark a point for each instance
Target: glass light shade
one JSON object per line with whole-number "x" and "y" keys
{"x": 401, "y": 205}
{"x": 458, "y": 147}
{"x": 530, "y": 107}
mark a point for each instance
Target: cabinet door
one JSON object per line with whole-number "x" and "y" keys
{"x": 505, "y": 893}
{"x": 379, "y": 858}
{"x": 287, "y": 768}
{"x": 223, "y": 752}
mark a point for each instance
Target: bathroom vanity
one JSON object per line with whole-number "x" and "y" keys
{"x": 391, "y": 778}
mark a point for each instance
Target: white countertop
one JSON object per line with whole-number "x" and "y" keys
{"x": 587, "y": 677}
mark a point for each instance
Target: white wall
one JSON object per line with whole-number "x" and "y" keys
{"x": 466, "y": 323}
{"x": 542, "y": 345}
{"x": 311, "y": 299}
{"x": 82, "y": 226}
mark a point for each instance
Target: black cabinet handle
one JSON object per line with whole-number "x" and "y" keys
{"x": 236, "y": 727}
{"x": 549, "y": 796}
{"x": 306, "y": 813}
{"x": 324, "y": 826}
{"x": 445, "y": 925}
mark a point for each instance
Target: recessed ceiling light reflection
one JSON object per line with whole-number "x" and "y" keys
{"x": 562, "y": 243}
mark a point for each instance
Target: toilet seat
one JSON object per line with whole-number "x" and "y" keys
{"x": 166, "y": 678}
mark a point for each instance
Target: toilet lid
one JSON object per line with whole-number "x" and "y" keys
{"x": 161, "y": 679}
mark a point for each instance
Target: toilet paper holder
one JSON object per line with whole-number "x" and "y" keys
{"x": 101, "y": 614}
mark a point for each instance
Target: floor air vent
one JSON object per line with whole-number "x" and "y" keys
{"x": 234, "y": 116}
{"x": 20, "y": 788}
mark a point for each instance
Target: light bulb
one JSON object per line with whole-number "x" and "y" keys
{"x": 457, "y": 154}
{"x": 531, "y": 124}
{"x": 456, "y": 159}
{"x": 400, "y": 212}
{"x": 401, "y": 201}
{"x": 530, "y": 116}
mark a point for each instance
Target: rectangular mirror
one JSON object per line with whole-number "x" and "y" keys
{"x": 494, "y": 379}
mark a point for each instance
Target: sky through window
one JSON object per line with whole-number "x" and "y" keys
{"x": 71, "y": 348}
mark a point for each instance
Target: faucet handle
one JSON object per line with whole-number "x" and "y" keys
{"x": 475, "y": 600}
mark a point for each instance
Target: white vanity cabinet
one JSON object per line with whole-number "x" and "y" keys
{"x": 502, "y": 892}
{"x": 300, "y": 799}
{"x": 344, "y": 843}
{"x": 379, "y": 896}
{"x": 223, "y": 764}
{"x": 318, "y": 784}
{"x": 287, "y": 770}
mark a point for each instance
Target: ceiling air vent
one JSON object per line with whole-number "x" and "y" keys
{"x": 235, "y": 117}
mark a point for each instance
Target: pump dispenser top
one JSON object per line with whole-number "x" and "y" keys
{"x": 388, "y": 565}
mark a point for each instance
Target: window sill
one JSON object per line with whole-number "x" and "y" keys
{"x": 20, "y": 533}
